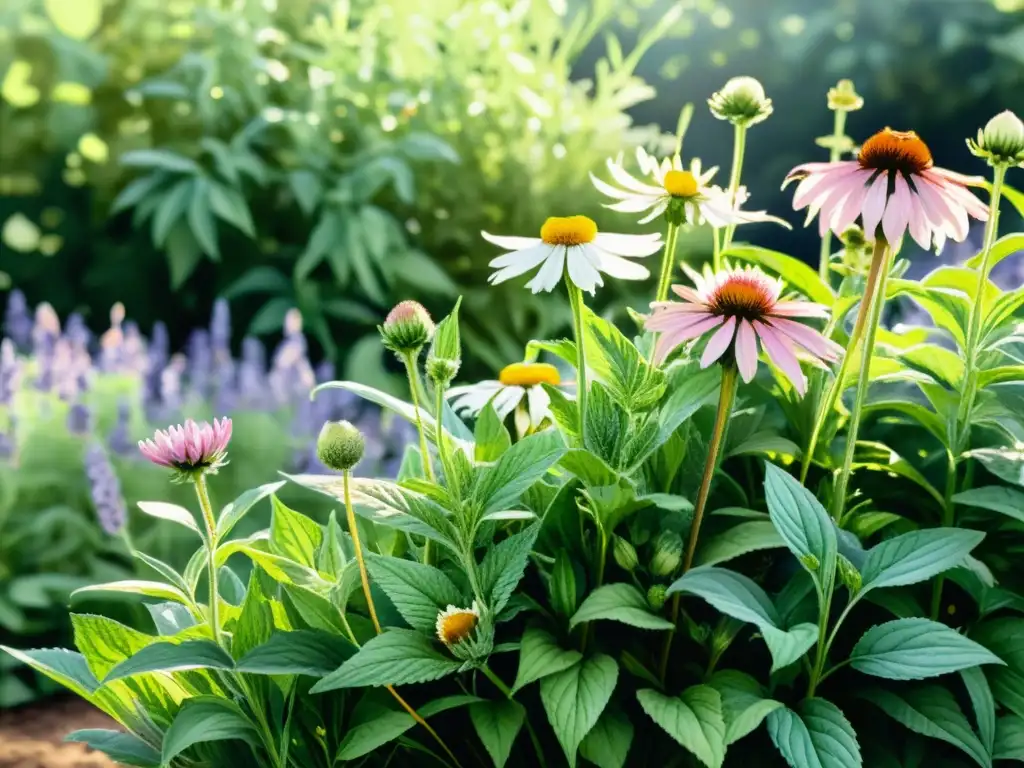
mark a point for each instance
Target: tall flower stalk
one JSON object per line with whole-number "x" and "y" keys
{"x": 578, "y": 332}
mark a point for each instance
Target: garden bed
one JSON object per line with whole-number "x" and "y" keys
{"x": 33, "y": 737}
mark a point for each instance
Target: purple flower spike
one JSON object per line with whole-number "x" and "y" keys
{"x": 190, "y": 449}
{"x": 18, "y": 320}
{"x": 105, "y": 489}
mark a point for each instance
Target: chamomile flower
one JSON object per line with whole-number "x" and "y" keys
{"x": 682, "y": 195}
{"x": 454, "y": 624}
{"x": 573, "y": 244}
{"x": 518, "y": 389}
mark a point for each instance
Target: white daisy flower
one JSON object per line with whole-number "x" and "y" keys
{"x": 683, "y": 195}
{"x": 573, "y": 243}
{"x": 456, "y": 624}
{"x": 518, "y": 389}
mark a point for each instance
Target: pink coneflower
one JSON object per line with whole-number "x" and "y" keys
{"x": 741, "y": 306}
{"x": 190, "y": 448}
{"x": 892, "y": 183}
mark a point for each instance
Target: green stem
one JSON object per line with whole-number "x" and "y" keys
{"x": 948, "y": 521}
{"x": 442, "y": 443}
{"x": 211, "y": 536}
{"x": 576, "y": 302}
{"x": 738, "y": 147}
{"x": 836, "y": 389}
{"x": 428, "y": 470}
{"x": 602, "y": 558}
{"x": 716, "y": 254}
{"x": 726, "y": 397}
{"x": 881, "y": 255}
{"x": 821, "y": 654}
{"x": 838, "y": 131}
{"x": 970, "y": 385}
{"x": 667, "y": 261}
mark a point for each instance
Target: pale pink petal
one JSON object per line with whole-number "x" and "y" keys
{"x": 920, "y": 227}
{"x": 806, "y": 190}
{"x": 957, "y": 178}
{"x": 687, "y": 294}
{"x": 943, "y": 214}
{"x": 808, "y": 338}
{"x": 780, "y": 350}
{"x": 874, "y": 204}
{"x": 663, "y": 321}
{"x": 831, "y": 191}
{"x": 746, "y": 350}
{"x": 718, "y": 343}
{"x": 802, "y": 171}
{"x": 799, "y": 309}
{"x": 848, "y": 212}
{"x": 672, "y": 339}
{"x": 897, "y": 212}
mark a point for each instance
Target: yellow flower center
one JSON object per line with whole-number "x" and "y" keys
{"x": 568, "y": 230}
{"x": 456, "y": 627}
{"x": 680, "y": 184}
{"x": 529, "y": 374}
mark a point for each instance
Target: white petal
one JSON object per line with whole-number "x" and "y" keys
{"x": 616, "y": 266}
{"x": 581, "y": 271}
{"x": 629, "y": 245}
{"x": 506, "y": 400}
{"x": 622, "y": 177}
{"x": 608, "y": 189}
{"x": 635, "y": 204}
{"x": 510, "y": 242}
{"x": 538, "y": 402}
{"x": 656, "y": 211}
{"x": 528, "y": 258}
{"x": 550, "y": 274}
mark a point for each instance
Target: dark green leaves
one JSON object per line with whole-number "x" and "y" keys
{"x": 995, "y": 498}
{"x": 521, "y": 466}
{"x": 744, "y": 705}
{"x": 418, "y": 591}
{"x": 917, "y": 556}
{"x": 124, "y": 748}
{"x": 206, "y": 718}
{"x": 503, "y": 567}
{"x": 913, "y": 649}
{"x": 619, "y": 602}
{"x": 817, "y": 735}
{"x": 303, "y": 652}
{"x": 694, "y": 719}
{"x": 497, "y": 723}
{"x": 397, "y": 657}
{"x": 540, "y": 656}
{"x": 802, "y": 522}
{"x": 575, "y": 698}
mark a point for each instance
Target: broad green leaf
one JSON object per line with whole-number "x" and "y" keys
{"x": 1009, "y": 743}
{"x": 172, "y": 657}
{"x": 744, "y": 705}
{"x": 164, "y": 511}
{"x": 1004, "y": 636}
{"x": 105, "y": 643}
{"x": 293, "y": 535}
{"x": 229, "y": 205}
{"x": 866, "y": 524}
{"x": 1005, "y": 246}
{"x": 1005, "y": 463}
{"x": 983, "y": 703}
{"x": 255, "y": 621}
{"x": 914, "y": 649}
{"x": 237, "y": 509}
{"x": 794, "y": 272}
{"x": 497, "y": 723}
{"x": 170, "y": 210}
{"x": 158, "y": 158}
{"x": 694, "y": 719}
{"x": 619, "y": 602}
{"x": 67, "y": 668}
{"x": 176, "y": 579}
{"x": 921, "y": 414}
{"x": 281, "y": 569}
{"x": 690, "y": 389}
{"x": 375, "y": 726}
{"x": 802, "y": 522}
{"x": 592, "y": 470}
{"x": 818, "y": 735}
{"x": 397, "y": 657}
{"x": 492, "y": 439}
{"x": 170, "y": 618}
{"x": 995, "y": 498}
{"x": 203, "y": 719}
{"x": 917, "y": 556}
{"x": 540, "y": 656}
{"x": 1003, "y": 374}
{"x": 616, "y": 362}
{"x": 739, "y": 540}
{"x": 607, "y": 745}
{"x": 137, "y": 587}
{"x": 503, "y": 566}
{"x": 932, "y": 711}
{"x": 331, "y": 559}
{"x": 302, "y": 652}
{"x": 124, "y": 748}
{"x": 418, "y": 591}
{"x": 938, "y": 362}
{"x": 880, "y": 458}
{"x": 200, "y": 218}
{"x": 575, "y": 698}
{"x": 522, "y": 465}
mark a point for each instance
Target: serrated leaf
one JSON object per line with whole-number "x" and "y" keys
{"x": 917, "y": 556}
{"x": 984, "y": 705}
{"x": 491, "y": 436}
{"x": 503, "y": 567}
{"x": 914, "y": 649}
{"x": 615, "y": 361}
{"x": 374, "y": 726}
{"x": 739, "y": 540}
{"x": 694, "y": 719}
{"x": 575, "y": 698}
{"x": 302, "y": 652}
{"x": 397, "y": 657}
{"x": 255, "y": 621}
{"x": 124, "y": 748}
{"x": 497, "y": 723}
{"x": 172, "y": 657}
{"x": 170, "y": 618}
{"x": 67, "y": 668}
{"x": 204, "y": 719}
{"x": 818, "y": 736}
{"x": 607, "y": 745}
{"x": 525, "y": 463}
{"x": 137, "y": 587}
{"x": 744, "y": 705}
{"x": 1009, "y": 744}
{"x": 418, "y": 591}
{"x": 995, "y": 498}
{"x": 619, "y": 602}
{"x": 539, "y": 656}
{"x": 802, "y": 522}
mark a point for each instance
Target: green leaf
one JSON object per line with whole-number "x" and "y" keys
{"x": 631, "y": 381}
{"x": 418, "y": 591}
{"x": 497, "y": 723}
{"x": 137, "y": 191}
{"x": 816, "y": 736}
{"x": 592, "y": 470}
{"x": 237, "y": 509}
{"x": 983, "y": 703}
{"x": 293, "y": 535}
{"x": 1009, "y": 744}
{"x": 744, "y": 705}
{"x": 171, "y": 208}
{"x": 159, "y": 158}
{"x": 373, "y": 726}
{"x": 164, "y": 511}
{"x": 172, "y": 657}
{"x": 932, "y": 711}
{"x": 504, "y": 565}
{"x": 739, "y": 540}
{"x": 230, "y": 206}
{"x": 302, "y": 652}
{"x": 446, "y": 344}
{"x": 137, "y": 587}
{"x": 1005, "y": 463}
{"x": 995, "y": 498}
{"x": 607, "y": 745}
{"x": 917, "y": 556}
{"x": 125, "y": 748}
{"x": 170, "y": 618}
{"x": 540, "y": 656}
{"x": 255, "y": 621}
{"x": 1005, "y": 246}
{"x": 913, "y": 649}
{"x": 67, "y": 668}
{"x": 200, "y": 218}
{"x": 397, "y": 657}
{"x": 881, "y": 458}
{"x": 521, "y": 466}
{"x": 619, "y": 602}
{"x": 694, "y": 719}
{"x": 575, "y": 698}
{"x": 793, "y": 271}
{"x": 175, "y": 578}
{"x": 690, "y": 390}
{"x": 204, "y": 719}
{"x": 492, "y": 439}
{"x": 802, "y": 522}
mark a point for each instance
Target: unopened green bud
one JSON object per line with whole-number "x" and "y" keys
{"x": 668, "y": 553}
{"x": 848, "y": 574}
{"x": 656, "y": 596}
{"x": 624, "y": 554}
{"x": 810, "y": 562}
{"x": 407, "y": 328}
{"x": 445, "y": 357}
{"x": 340, "y": 445}
{"x": 1001, "y": 141}
{"x": 853, "y": 237}
{"x": 741, "y": 101}
{"x": 844, "y": 97}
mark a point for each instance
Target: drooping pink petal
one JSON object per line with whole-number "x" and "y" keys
{"x": 874, "y": 204}
{"x": 687, "y": 294}
{"x": 957, "y": 178}
{"x": 799, "y": 309}
{"x": 848, "y": 212}
{"x": 746, "y": 351}
{"x": 951, "y": 219}
{"x": 808, "y": 338}
{"x": 666, "y": 319}
{"x": 897, "y": 212}
{"x": 669, "y": 340}
{"x": 718, "y": 343}
{"x": 920, "y": 227}
{"x": 780, "y": 350}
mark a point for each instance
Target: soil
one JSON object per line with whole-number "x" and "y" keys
{"x": 33, "y": 736}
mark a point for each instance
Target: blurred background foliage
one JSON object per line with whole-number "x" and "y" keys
{"x": 340, "y": 155}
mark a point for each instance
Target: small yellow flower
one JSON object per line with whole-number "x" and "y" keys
{"x": 456, "y": 624}
{"x": 529, "y": 374}
{"x": 568, "y": 230}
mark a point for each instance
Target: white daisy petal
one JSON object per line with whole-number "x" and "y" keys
{"x": 628, "y": 245}
{"x": 550, "y": 273}
{"x": 633, "y": 185}
{"x": 528, "y": 258}
{"x": 583, "y": 274}
{"x": 511, "y": 243}
{"x": 506, "y": 400}
{"x": 537, "y": 402}
{"x": 616, "y": 266}
{"x": 656, "y": 211}
{"x": 635, "y": 204}
{"x": 608, "y": 189}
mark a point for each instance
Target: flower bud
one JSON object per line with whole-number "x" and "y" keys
{"x": 340, "y": 445}
{"x": 741, "y": 101}
{"x": 844, "y": 97}
{"x": 1001, "y": 141}
{"x": 668, "y": 553}
{"x": 624, "y": 554}
{"x": 811, "y": 563}
{"x": 849, "y": 574}
{"x": 656, "y": 596}
{"x": 445, "y": 357}
{"x": 407, "y": 328}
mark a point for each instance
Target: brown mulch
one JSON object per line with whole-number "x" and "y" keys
{"x": 33, "y": 736}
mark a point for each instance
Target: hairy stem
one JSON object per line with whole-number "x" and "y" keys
{"x": 576, "y": 302}
{"x": 667, "y": 261}
{"x": 838, "y": 131}
{"x": 428, "y": 469}
{"x": 202, "y": 492}
{"x": 738, "y": 147}
{"x": 442, "y": 443}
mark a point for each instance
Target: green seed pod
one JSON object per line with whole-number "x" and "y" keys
{"x": 656, "y": 596}
{"x": 741, "y": 101}
{"x": 668, "y": 553}
{"x": 624, "y": 554}
{"x": 340, "y": 445}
